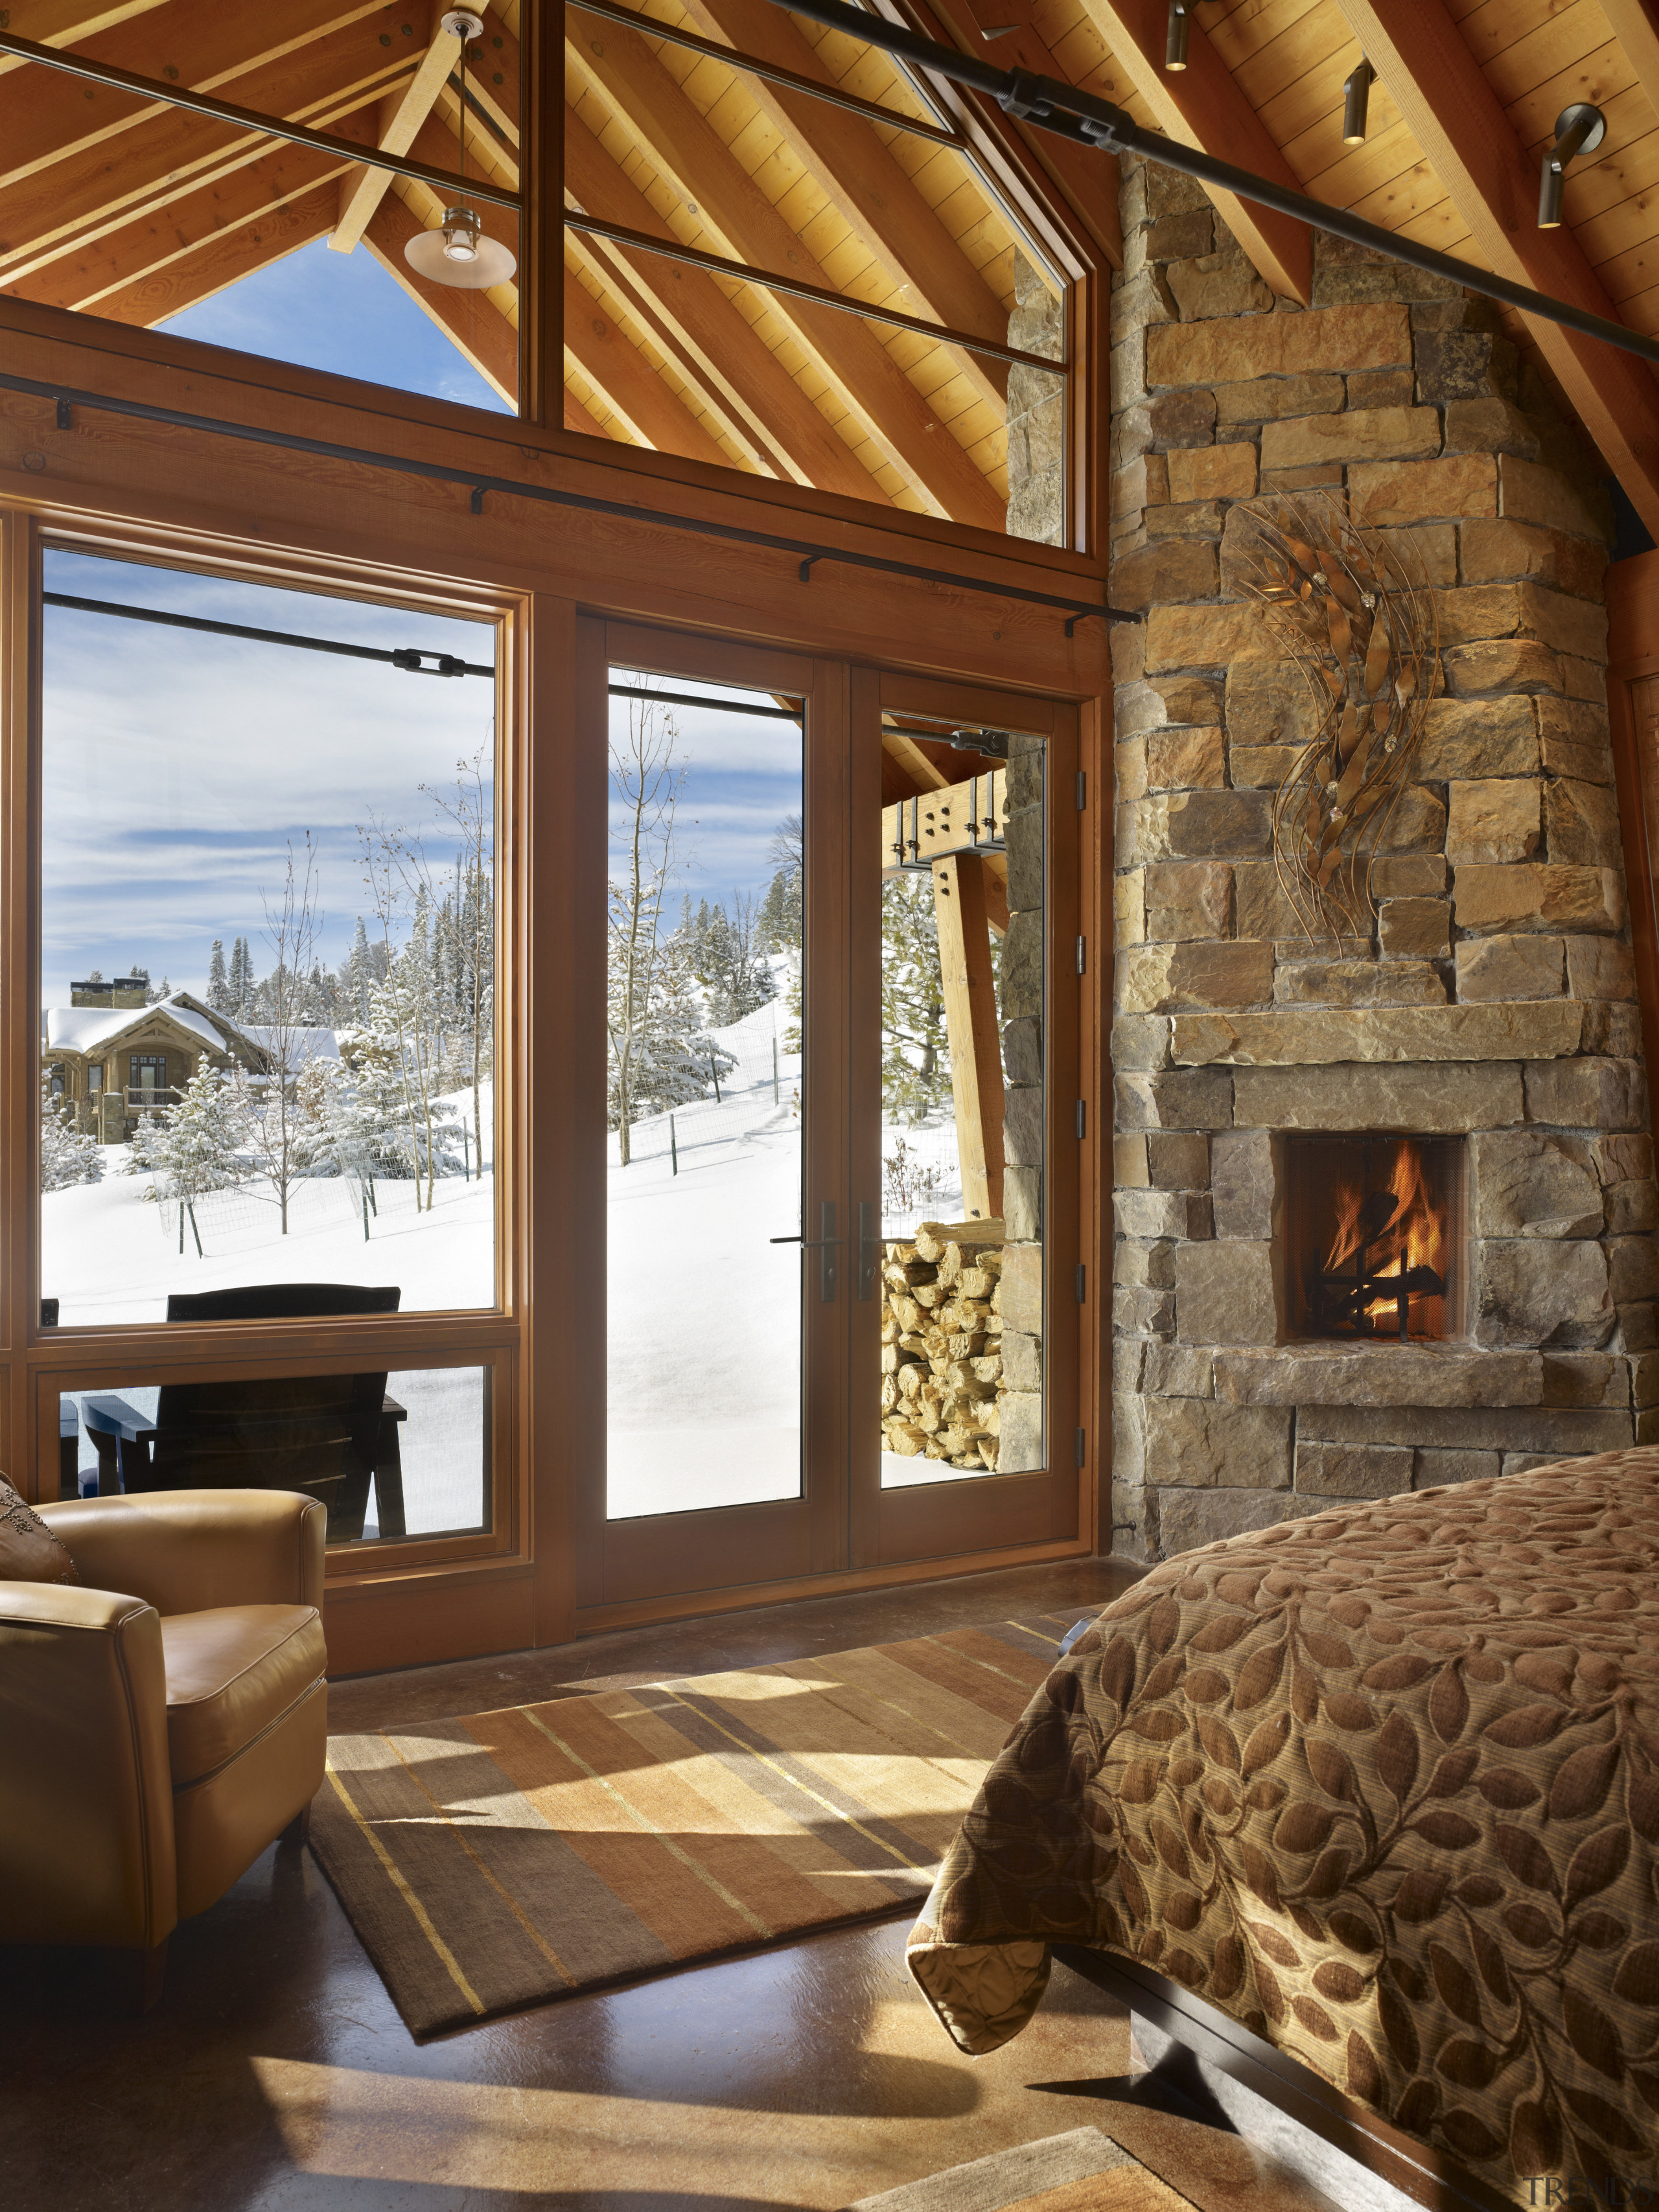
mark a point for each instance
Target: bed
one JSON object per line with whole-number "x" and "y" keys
{"x": 1379, "y": 1790}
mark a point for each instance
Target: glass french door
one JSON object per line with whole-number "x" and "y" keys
{"x": 820, "y": 1328}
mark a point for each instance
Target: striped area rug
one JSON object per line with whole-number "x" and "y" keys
{"x": 499, "y": 1859}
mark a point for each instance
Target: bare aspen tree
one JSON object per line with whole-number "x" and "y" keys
{"x": 646, "y": 784}
{"x": 279, "y": 1127}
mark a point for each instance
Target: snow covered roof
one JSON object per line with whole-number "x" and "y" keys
{"x": 304, "y": 1045}
{"x": 90, "y": 1029}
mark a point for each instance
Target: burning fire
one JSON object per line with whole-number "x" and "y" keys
{"x": 1392, "y": 1230}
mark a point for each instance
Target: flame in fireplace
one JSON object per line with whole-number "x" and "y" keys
{"x": 1415, "y": 1237}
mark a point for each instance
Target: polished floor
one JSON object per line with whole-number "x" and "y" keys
{"x": 275, "y": 2075}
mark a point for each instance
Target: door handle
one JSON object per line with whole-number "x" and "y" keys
{"x": 824, "y": 1245}
{"x": 869, "y": 1250}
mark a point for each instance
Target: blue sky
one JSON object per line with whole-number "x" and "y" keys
{"x": 340, "y": 312}
{"x": 177, "y": 768}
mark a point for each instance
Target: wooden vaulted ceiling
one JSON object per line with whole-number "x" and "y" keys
{"x": 130, "y": 209}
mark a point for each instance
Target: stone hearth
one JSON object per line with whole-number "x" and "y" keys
{"x": 1495, "y": 998}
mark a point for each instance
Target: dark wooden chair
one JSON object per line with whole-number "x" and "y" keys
{"x": 327, "y": 1436}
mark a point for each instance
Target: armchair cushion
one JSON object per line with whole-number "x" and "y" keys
{"x": 232, "y": 1672}
{"x": 29, "y": 1552}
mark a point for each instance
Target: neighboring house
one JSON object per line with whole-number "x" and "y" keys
{"x": 113, "y": 1062}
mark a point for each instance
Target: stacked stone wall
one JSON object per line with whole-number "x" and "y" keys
{"x": 1494, "y": 998}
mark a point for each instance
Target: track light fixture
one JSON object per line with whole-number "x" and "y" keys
{"x": 1578, "y": 130}
{"x": 458, "y": 253}
{"x": 1174, "y": 45}
{"x": 1356, "y": 102}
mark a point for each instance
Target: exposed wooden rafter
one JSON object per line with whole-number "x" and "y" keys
{"x": 401, "y": 117}
{"x": 1459, "y": 122}
{"x": 1203, "y": 106}
{"x": 633, "y": 391}
{"x": 734, "y": 360}
{"x": 865, "y": 181}
{"x": 631, "y": 81}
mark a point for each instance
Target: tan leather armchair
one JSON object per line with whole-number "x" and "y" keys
{"x": 160, "y": 1726}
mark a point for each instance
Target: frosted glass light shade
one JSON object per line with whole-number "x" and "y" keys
{"x": 460, "y": 254}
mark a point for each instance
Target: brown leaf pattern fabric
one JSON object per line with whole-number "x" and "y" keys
{"x": 1384, "y": 1785}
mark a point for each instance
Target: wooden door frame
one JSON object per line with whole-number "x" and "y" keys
{"x": 672, "y": 1556}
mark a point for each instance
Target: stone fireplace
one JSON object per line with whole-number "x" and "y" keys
{"x": 1461, "y": 1084}
{"x": 1372, "y": 1237}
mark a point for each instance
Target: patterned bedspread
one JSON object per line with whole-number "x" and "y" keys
{"x": 1384, "y": 1785}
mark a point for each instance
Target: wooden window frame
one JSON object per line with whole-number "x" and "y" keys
{"x": 46, "y": 1362}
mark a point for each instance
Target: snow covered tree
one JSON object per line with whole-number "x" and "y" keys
{"x": 915, "y": 1065}
{"x": 240, "y": 981}
{"x": 218, "y": 983}
{"x": 780, "y": 925}
{"x": 358, "y": 976}
{"x": 730, "y": 962}
{"x": 674, "y": 1060}
{"x": 67, "y": 1156}
{"x": 198, "y": 1146}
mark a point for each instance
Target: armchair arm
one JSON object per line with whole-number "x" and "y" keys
{"x": 184, "y": 1551}
{"x": 86, "y": 1792}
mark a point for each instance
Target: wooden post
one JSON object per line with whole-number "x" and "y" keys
{"x": 970, "y": 1024}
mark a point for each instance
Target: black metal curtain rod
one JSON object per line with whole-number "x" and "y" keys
{"x": 252, "y": 119}
{"x": 1063, "y": 108}
{"x": 690, "y": 699}
{"x": 67, "y": 399}
{"x": 411, "y": 659}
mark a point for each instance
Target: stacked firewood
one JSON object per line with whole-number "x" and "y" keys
{"x": 941, "y": 1343}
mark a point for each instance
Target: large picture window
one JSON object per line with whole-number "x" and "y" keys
{"x": 268, "y": 940}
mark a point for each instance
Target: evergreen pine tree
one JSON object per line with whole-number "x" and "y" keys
{"x": 218, "y": 984}
{"x": 915, "y": 1066}
{"x": 198, "y": 1146}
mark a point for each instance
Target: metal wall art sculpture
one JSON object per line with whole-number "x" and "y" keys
{"x": 1365, "y": 635}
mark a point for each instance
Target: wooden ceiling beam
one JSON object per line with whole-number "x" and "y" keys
{"x": 633, "y": 391}
{"x": 493, "y": 75}
{"x": 173, "y": 150}
{"x": 46, "y": 117}
{"x": 1202, "y": 107}
{"x": 66, "y": 22}
{"x": 577, "y": 417}
{"x": 222, "y": 259}
{"x": 630, "y": 80}
{"x": 153, "y": 241}
{"x": 1638, "y": 33}
{"x": 401, "y": 117}
{"x": 865, "y": 181}
{"x": 732, "y": 357}
{"x": 1457, "y": 119}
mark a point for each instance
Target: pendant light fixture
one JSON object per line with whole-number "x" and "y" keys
{"x": 458, "y": 253}
{"x": 1174, "y": 35}
{"x": 1357, "y": 102}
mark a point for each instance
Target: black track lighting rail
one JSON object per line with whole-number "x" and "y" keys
{"x": 1071, "y": 112}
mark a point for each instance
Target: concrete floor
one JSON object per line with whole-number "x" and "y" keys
{"x": 275, "y": 2075}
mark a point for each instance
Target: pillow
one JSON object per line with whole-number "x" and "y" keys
{"x": 29, "y": 1552}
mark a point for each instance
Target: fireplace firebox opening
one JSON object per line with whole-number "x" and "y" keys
{"x": 1374, "y": 1238}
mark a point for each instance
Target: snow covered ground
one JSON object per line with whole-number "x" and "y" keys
{"x": 704, "y": 1367}
{"x": 108, "y": 1255}
{"x": 704, "y": 1370}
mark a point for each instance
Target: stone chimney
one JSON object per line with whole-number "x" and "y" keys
{"x": 1493, "y": 1001}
